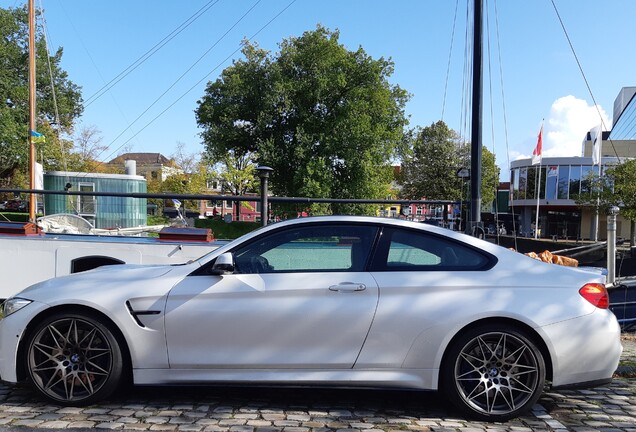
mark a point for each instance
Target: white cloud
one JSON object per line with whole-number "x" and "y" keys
{"x": 564, "y": 130}
{"x": 569, "y": 121}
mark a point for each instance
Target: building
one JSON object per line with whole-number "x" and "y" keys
{"x": 558, "y": 179}
{"x": 153, "y": 166}
{"x": 250, "y": 210}
{"x": 226, "y": 210}
{"x": 100, "y": 211}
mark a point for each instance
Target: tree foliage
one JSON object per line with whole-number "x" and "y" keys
{"x": 431, "y": 162}
{"x": 489, "y": 176}
{"x": 86, "y": 151}
{"x": 624, "y": 177}
{"x": 192, "y": 178}
{"x": 238, "y": 176}
{"x": 326, "y": 119}
{"x": 616, "y": 188}
{"x": 237, "y": 173}
{"x": 14, "y": 94}
{"x": 597, "y": 192}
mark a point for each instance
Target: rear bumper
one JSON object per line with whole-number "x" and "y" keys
{"x": 586, "y": 350}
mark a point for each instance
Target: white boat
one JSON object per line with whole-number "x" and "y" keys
{"x": 28, "y": 255}
{"x": 62, "y": 244}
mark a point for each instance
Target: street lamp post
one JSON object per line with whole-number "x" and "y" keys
{"x": 263, "y": 173}
{"x": 611, "y": 244}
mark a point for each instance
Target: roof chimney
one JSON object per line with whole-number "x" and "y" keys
{"x": 130, "y": 167}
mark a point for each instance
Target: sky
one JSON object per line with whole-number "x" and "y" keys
{"x": 531, "y": 75}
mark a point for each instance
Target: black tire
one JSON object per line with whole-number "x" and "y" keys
{"x": 493, "y": 373}
{"x": 73, "y": 359}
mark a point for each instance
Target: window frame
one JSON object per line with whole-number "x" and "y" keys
{"x": 204, "y": 270}
{"x": 381, "y": 253}
{"x": 85, "y": 201}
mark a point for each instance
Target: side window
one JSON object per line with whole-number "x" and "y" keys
{"x": 410, "y": 250}
{"x": 314, "y": 248}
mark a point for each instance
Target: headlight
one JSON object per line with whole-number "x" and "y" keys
{"x": 13, "y": 305}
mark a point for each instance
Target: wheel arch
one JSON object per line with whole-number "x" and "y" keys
{"x": 528, "y": 331}
{"x": 79, "y": 309}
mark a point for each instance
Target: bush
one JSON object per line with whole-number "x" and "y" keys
{"x": 226, "y": 231}
{"x": 15, "y": 217}
{"x": 158, "y": 220}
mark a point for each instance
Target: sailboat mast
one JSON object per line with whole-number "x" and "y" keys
{"x": 32, "y": 111}
{"x": 476, "y": 144}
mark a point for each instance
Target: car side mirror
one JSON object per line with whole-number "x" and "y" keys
{"x": 223, "y": 265}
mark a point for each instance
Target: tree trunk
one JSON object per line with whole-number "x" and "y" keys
{"x": 632, "y": 240}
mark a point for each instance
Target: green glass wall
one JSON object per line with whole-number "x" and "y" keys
{"x": 102, "y": 212}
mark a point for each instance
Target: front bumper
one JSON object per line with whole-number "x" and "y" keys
{"x": 12, "y": 330}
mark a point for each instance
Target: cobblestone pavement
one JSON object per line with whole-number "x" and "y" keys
{"x": 611, "y": 408}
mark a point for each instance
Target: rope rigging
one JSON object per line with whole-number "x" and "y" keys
{"x": 113, "y": 152}
{"x": 99, "y": 93}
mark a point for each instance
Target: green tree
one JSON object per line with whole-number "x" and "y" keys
{"x": 431, "y": 162}
{"x": 192, "y": 178}
{"x": 238, "y": 176}
{"x": 597, "y": 192}
{"x": 326, "y": 119}
{"x": 87, "y": 148}
{"x": 14, "y": 94}
{"x": 489, "y": 175}
{"x": 184, "y": 183}
{"x": 624, "y": 177}
{"x": 238, "y": 173}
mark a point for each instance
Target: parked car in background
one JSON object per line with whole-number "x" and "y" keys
{"x": 16, "y": 205}
{"x": 338, "y": 301}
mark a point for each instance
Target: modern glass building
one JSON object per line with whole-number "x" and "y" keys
{"x": 101, "y": 211}
{"x": 556, "y": 181}
{"x": 552, "y": 186}
{"x": 624, "y": 128}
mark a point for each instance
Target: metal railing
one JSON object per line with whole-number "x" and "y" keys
{"x": 122, "y": 209}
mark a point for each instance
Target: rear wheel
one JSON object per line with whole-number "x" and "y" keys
{"x": 73, "y": 359}
{"x": 493, "y": 373}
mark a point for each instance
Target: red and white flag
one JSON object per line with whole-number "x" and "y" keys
{"x": 536, "y": 154}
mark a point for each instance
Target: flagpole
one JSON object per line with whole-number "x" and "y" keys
{"x": 536, "y": 218}
{"x": 537, "y": 156}
{"x": 597, "y": 152}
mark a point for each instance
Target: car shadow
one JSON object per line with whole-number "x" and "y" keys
{"x": 388, "y": 402}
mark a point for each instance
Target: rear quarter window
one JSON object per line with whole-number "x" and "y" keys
{"x": 404, "y": 250}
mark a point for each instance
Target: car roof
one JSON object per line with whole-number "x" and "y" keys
{"x": 380, "y": 221}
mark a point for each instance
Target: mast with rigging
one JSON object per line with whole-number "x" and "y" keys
{"x": 32, "y": 111}
{"x": 475, "y": 143}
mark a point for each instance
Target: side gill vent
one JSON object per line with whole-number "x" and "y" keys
{"x": 136, "y": 314}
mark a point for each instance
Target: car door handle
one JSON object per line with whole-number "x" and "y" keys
{"x": 348, "y": 287}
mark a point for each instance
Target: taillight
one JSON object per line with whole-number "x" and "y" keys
{"x": 595, "y": 294}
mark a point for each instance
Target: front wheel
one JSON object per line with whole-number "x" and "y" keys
{"x": 493, "y": 373}
{"x": 73, "y": 359}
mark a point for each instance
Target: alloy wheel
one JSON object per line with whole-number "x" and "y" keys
{"x": 70, "y": 359}
{"x": 497, "y": 373}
